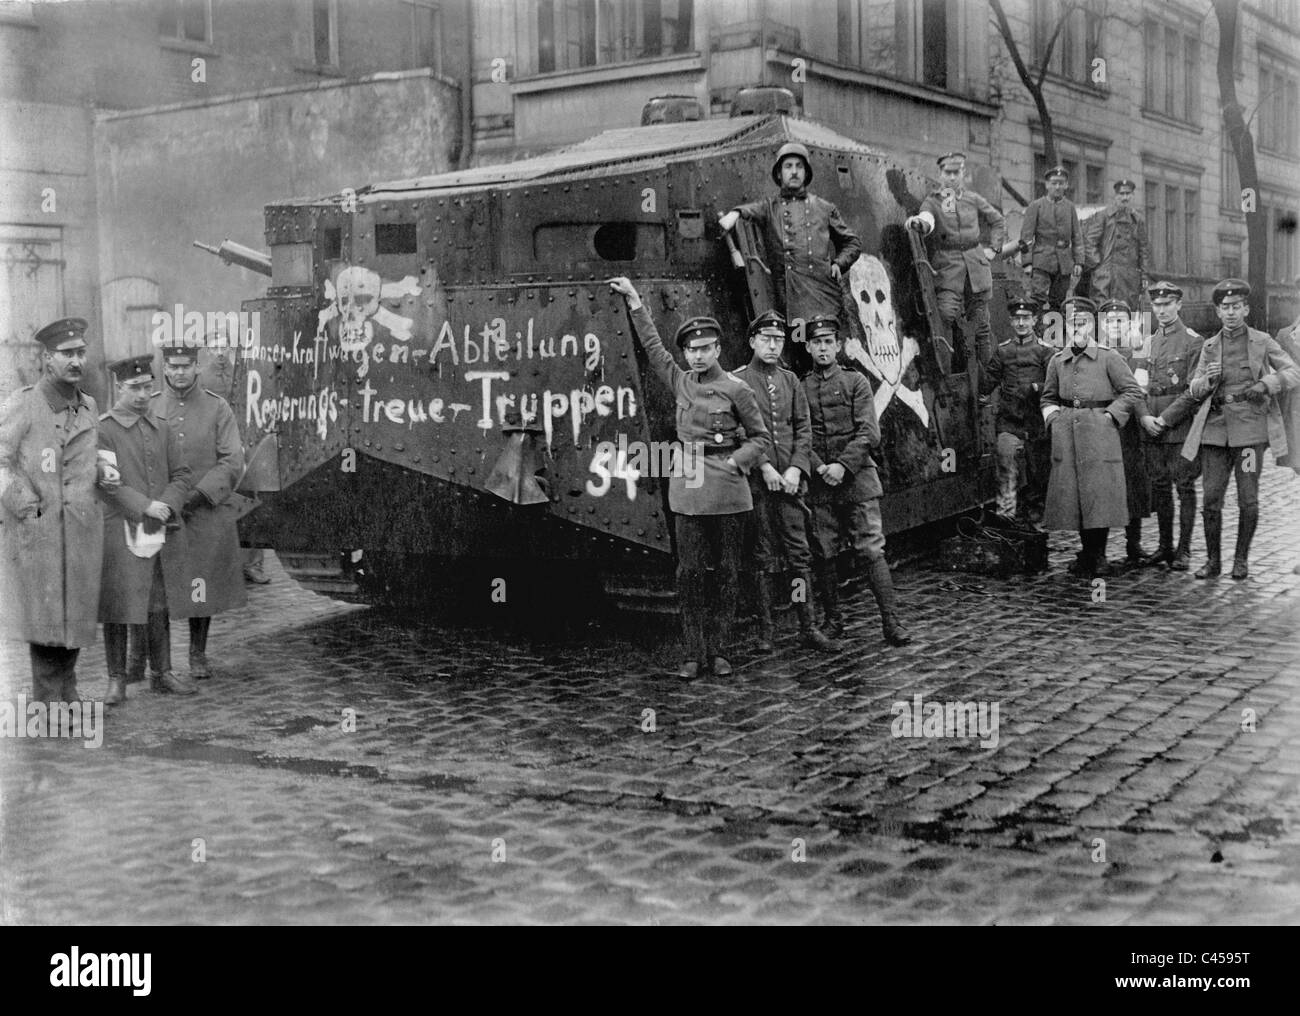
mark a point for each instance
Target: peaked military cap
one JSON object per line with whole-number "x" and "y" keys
{"x": 175, "y": 352}
{"x": 1227, "y": 288}
{"x": 133, "y": 368}
{"x": 1078, "y": 305}
{"x": 1120, "y": 185}
{"x": 1163, "y": 289}
{"x": 1019, "y": 303}
{"x": 1115, "y": 303}
{"x": 64, "y": 332}
{"x": 788, "y": 149}
{"x": 959, "y": 156}
{"x": 769, "y": 320}
{"x": 821, "y": 325}
{"x": 1056, "y": 171}
{"x": 698, "y": 329}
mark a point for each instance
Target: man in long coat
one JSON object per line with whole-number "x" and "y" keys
{"x": 51, "y": 523}
{"x": 952, "y": 219}
{"x": 209, "y": 442}
{"x": 1116, "y": 248}
{"x": 1087, "y": 397}
{"x": 1053, "y": 241}
{"x": 141, "y": 591}
{"x": 1237, "y": 381}
{"x": 810, "y": 247}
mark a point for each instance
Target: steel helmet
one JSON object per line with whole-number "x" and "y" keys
{"x": 792, "y": 148}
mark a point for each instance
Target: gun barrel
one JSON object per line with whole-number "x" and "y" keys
{"x": 237, "y": 254}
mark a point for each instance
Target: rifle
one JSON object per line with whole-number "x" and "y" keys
{"x": 940, "y": 341}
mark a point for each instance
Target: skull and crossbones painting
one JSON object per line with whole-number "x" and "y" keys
{"x": 355, "y": 306}
{"x": 885, "y": 357}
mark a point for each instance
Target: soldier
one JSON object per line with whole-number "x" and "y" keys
{"x": 1117, "y": 329}
{"x": 210, "y": 445}
{"x": 141, "y": 589}
{"x": 845, "y": 487}
{"x": 952, "y": 219}
{"x": 1017, "y": 371}
{"x": 1173, "y": 351}
{"x": 50, "y": 518}
{"x": 777, "y": 486}
{"x": 810, "y": 247}
{"x": 1242, "y": 371}
{"x": 1116, "y": 248}
{"x": 718, "y": 416}
{"x": 1052, "y": 241}
{"x": 1087, "y": 397}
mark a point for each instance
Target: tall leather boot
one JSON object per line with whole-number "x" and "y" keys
{"x": 115, "y": 636}
{"x": 136, "y": 650}
{"x": 1133, "y": 548}
{"x": 828, "y": 591}
{"x": 1165, "y": 521}
{"x": 1213, "y": 531}
{"x": 161, "y": 677}
{"x": 763, "y": 606}
{"x": 1100, "y": 566}
{"x": 882, "y": 587}
{"x": 1246, "y": 522}
{"x": 199, "y": 648}
{"x": 1186, "y": 528}
{"x": 694, "y": 644}
{"x": 809, "y": 634}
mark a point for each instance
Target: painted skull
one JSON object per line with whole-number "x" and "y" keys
{"x": 874, "y": 296}
{"x": 357, "y": 293}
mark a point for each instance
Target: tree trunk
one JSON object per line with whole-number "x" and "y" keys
{"x": 1243, "y": 149}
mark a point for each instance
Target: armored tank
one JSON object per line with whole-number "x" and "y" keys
{"x": 441, "y": 383}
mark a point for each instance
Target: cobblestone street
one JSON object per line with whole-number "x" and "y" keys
{"x": 508, "y": 779}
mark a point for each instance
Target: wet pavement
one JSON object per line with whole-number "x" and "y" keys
{"x": 348, "y": 767}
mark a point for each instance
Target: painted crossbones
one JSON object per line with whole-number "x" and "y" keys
{"x": 885, "y": 358}
{"x": 354, "y": 300}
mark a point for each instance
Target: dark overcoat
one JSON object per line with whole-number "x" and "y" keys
{"x": 51, "y": 523}
{"x": 1086, "y": 489}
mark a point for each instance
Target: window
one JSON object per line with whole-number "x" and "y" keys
{"x": 1280, "y": 213}
{"x": 324, "y": 32}
{"x": 1173, "y": 79}
{"x": 1172, "y": 202}
{"x": 187, "y": 20}
{"x": 925, "y": 40}
{"x": 1278, "y": 107}
{"x": 1285, "y": 11}
{"x": 583, "y": 33}
{"x": 1078, "y": 42}
{"x": 1229, "y": 258}
{"x": 1085, "y": 162}
{"x": 426, "y": 35}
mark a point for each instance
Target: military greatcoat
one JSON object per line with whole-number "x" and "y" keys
{"x": 51, "y": 523}
{"x": 1086, "y": 489}
{"x": 1117, "y": 250}
{"x": 210, "y": 446}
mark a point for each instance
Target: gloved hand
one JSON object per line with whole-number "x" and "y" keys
{"x": 1258, "y": 393}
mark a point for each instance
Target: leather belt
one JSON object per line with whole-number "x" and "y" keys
{"x": 719, "y": 449}
{"x": 1172, "y": 390}
{"x": 1216, "y": 402}
{"x": 1090, "y": 403}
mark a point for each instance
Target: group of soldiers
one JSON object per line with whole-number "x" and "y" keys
{"x": 122, "y": 519}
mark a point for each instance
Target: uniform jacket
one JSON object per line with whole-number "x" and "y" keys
{"x": 1173, "y": 353}
{"x": 210, "y": 446}
{"x": 1017, "y": 370}
{"x": 1118, "y": 255}
{"x": 1289, "y": 402}
{"x": 51, "y": 523}
{"x": 1051, "y": 228}
{"x": 1267, "y": 362}
{"x": 808, "y": 233}
{"x": 844, "y": 430}
{"x": 716, "y": 411}
{"x": 1087, "y": 489}
{"x": 151, "y": 467}
{"x": 784, "y": 408}
{"x": 954, "y": 243}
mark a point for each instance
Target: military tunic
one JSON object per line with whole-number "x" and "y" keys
{"x": 1173, "y": 352}
{"x": 844, "y": 430}
{"x": 1086, "y": 489}
{"x": 149, "y": 460}
{"x": 1017, "y": 371}
{"x": 210, "y": 446}
{"x": 963, "y": 277}
{"x": 810, "y": 235}
{"x": 1117, "y": 249}
{"x": 780, "y": 519}
{"x": 1051, "y": 229}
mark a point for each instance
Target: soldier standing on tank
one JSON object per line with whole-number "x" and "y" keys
{"x": 1087, "y": 397}
{"x": 51, "y": 523}
{"x": 140, "y": 590}
{"x": 780, "y": 518}
{"x": 1052, "y": 241}
{"x": 1173, "y": 352}
{"x": 845, "y": 487}
{"x": 1116, "y": 247}
{"x": 718, "y": 417}
{"x": 810, "y": 247}
{"x": 1240, "y": 374}
{"x": 210, "y": 445}
{"x": 1017, "y": 371}
{"x": 952, "y": 220}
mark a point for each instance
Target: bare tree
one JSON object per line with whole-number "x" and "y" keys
{"x": 1243, "y": 149}
{"x": 1033, "y": 78}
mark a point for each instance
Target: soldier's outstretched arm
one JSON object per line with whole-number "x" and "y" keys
{"x": 643, "y": 327}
